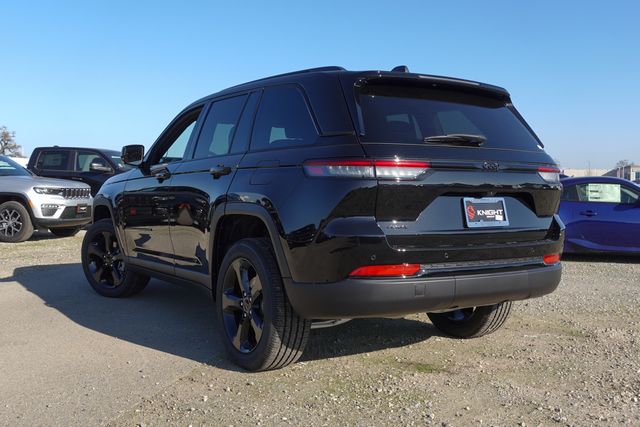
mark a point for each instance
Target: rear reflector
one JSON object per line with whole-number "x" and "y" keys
{"x": 549, "y": 174}
{"x": 551, "y": 259}
{"x": 396, "y": 270}
{"x": 381, "y": 169}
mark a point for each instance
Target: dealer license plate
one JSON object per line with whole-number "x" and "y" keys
{"x": 485, "y": 212}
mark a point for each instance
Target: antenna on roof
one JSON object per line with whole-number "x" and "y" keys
{"x": 401, "y": 69}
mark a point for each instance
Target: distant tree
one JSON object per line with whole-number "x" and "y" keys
{"x": 622, "y": 164}
{"x": 8, "y": 144}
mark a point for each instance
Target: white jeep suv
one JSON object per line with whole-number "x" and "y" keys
{"x": 29, "y": 202}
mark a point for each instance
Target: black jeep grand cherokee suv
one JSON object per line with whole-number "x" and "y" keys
{"x": 332, "y": 194}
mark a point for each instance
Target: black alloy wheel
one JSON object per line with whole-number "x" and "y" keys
{"x": 104, "y": 265}
{"x": 242, "y": 305}
{"x": 106, "y": 262}
{"x": 259, "y": 328}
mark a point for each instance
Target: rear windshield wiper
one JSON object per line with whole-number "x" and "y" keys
{"x": 457, "y": 139}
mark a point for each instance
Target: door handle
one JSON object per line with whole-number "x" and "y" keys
{"x": 588, "y": 213}
{"x": 219, "y": 171}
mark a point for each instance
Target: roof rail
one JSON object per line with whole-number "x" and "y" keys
{"x": 308, "y": 70}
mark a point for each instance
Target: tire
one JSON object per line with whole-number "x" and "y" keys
{"x": 65, "y": 231}
{"x": 15, "y": 223}
{"x": 103, "y": 263}
{"x": 259, "y": 328}
{"x": 472, "y": 322}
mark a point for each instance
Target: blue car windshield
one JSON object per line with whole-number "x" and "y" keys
{"x": 10, "y": 168}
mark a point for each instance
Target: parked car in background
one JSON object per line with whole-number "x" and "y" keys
{"x": 22, "y": 161}
{"x": 601, "y": 214}
{"x": 329, "y": 194}
{"x": 90, "y": 165}
{"x": 29, "y": 202}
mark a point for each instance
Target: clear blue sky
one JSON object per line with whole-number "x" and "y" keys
{"x": 110, "y": 73}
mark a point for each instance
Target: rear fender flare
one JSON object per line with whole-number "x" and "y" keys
{"x": 260, "y": 213}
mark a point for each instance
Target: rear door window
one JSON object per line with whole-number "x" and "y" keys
{"x": 54, "y": 160}
{"x": 219, "y": 127}
{"x": 283, "y": 120}
{"x": 606, "y": 193}
{"x": 409, "y": 114}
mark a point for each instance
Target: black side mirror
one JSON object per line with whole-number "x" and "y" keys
{"x": 132, "y": 154}
{"x": 99, "y": 167}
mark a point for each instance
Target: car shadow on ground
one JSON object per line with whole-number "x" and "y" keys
{"x": 180, "y": 320}
{"x": 603, "y": 258}
{"x": 39, "y": 235}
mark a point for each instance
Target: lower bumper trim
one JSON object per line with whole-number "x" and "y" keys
{"x": 354, "y": 298}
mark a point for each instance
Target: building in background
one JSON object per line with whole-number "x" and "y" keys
{"x": 630, "y": 172}
{"x": 584, "y": 172}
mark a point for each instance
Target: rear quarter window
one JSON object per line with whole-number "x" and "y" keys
{"x": 283, "y": 120}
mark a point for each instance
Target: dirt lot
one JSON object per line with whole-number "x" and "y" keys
{"x": 69, "y": 357}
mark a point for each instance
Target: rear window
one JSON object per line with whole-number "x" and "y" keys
{"x": 409, "y": 114}
{"x": 53, "y": 160}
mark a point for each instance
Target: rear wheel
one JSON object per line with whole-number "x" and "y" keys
{"x": 65, "y": 231}
{"x": 259, "y": 328}
{"x": 472, "y": 322}
{"x": 15, "y": 223}
{"x": 104, "y": 266}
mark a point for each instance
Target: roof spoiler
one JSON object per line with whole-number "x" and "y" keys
{"x": 411, "y": 79}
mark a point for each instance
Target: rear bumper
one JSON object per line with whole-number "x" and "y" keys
{"x": 353, "y": 298}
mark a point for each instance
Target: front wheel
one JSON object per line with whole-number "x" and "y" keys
{"x": 15, "y": 223}
{"x": 259, "y": 328}
{"x": 103, "y": 263}
{"x": 472, "y": 322}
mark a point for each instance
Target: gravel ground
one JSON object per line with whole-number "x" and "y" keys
{"x": 570, "y": 358}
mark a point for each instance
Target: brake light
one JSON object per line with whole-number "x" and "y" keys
{"x": 551, "y": 259}
{"x": 394, "y": 270}
{"x": 381, "y": 169}
{"x": 549, "y": 174}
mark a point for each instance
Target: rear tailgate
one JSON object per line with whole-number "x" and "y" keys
{"x": 507, "y": 172}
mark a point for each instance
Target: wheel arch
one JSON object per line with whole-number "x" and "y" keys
{"x": 102, "y": 209}
{"x": 234, "y": 221}
{"x": 22, "y": 199}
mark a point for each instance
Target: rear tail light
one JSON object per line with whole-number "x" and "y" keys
{"x": 394, "y": 270}
{"x": 551, "y": 259}
{"x": 549, "y": 174}
{"x": 398, "y": 170}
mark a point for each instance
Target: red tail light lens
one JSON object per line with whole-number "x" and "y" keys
{"x": 381, "y": 169}
{"x": 551, "y": 259}
{"x": 395, "y": 270}
{"x": 549, "y": 174}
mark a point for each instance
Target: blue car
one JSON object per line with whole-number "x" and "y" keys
{"x": 602, "y": 214}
